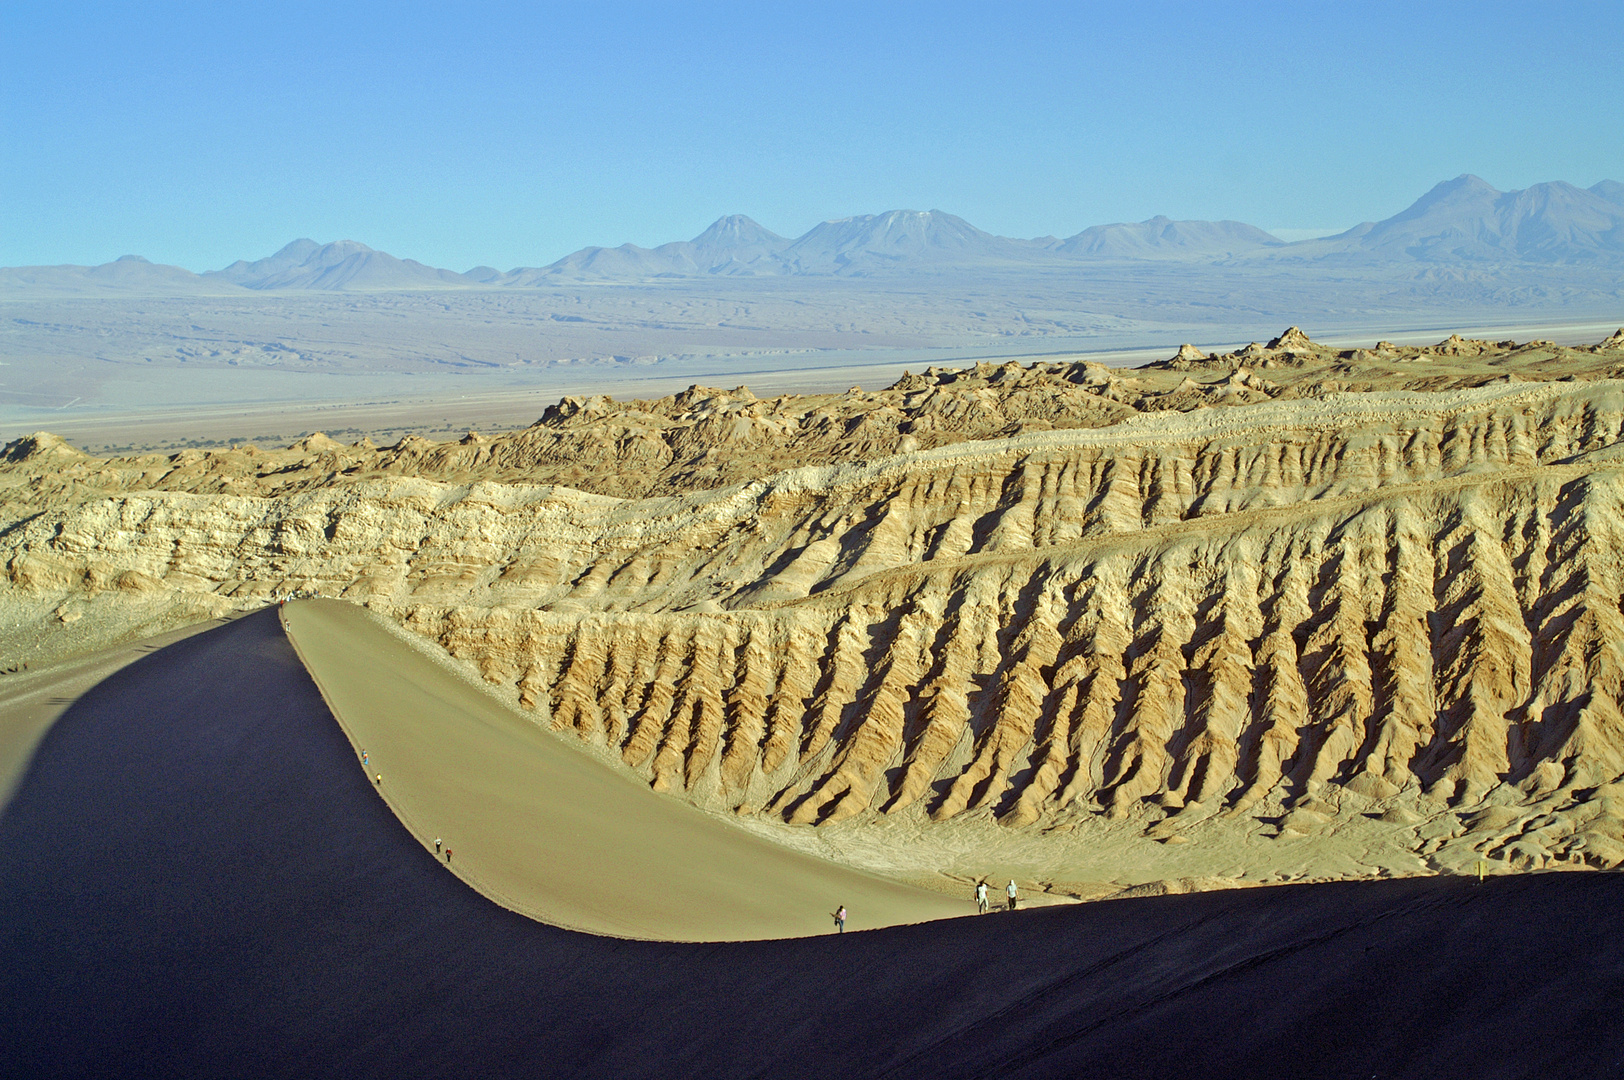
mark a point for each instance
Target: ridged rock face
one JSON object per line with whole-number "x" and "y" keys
{"x": 1451, "y": 642}
{"x": 1411, "y": 599}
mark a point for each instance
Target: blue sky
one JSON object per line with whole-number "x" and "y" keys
{"x": 511, "y": 134}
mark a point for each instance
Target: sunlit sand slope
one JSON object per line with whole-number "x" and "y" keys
{"x": 540, "y": 827}
{"x": 198, "y": 881}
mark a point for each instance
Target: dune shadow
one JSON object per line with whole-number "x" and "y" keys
{"x": 199, "y": 880}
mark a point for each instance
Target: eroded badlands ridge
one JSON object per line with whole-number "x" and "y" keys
{"x": 1383, "y": 579}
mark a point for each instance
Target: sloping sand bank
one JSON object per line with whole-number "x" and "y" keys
{"x": 198, "y": 881}
{"x": 541, "y": 827}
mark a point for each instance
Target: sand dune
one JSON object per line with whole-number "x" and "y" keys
{"x": 551, "y": 832}
{"x": 200, "y": 881}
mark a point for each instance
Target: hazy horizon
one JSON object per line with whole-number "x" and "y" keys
{"x": 1556, "y": 215}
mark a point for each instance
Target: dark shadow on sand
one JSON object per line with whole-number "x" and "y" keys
{"x": 196, "y": 879}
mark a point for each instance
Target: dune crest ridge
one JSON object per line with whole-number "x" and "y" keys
{"x": 1270, "y": 592}
{"x": 547, "y": 831}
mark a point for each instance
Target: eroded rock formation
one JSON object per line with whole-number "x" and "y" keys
{"x": 1410, "y": 599}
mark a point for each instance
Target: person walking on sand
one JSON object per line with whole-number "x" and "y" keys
{"x": 1010, "y": 890}
{"x": 380, "y": 779}
{"x": 981, "y": 897}
{"x": 448, "y": 856}
{"x": 364, "y": 760}
{"x": 840, "y": 919}
{"x": 437, "y": 845}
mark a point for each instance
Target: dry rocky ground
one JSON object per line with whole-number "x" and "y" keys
{"x": 1284, "y": 613}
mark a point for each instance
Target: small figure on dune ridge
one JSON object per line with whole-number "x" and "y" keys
{"x": 981, "y": 897}
{"x": 1010, "y": 890}
{"x": 448, "y": 856}
{"x": 437, "y": 845}
{"x": 840, "y": 919}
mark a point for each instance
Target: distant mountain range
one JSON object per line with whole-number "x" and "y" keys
{"x": 1463, "y": 222}
{"x": 305, "y": 264}
{"x": 903, "y": 241}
